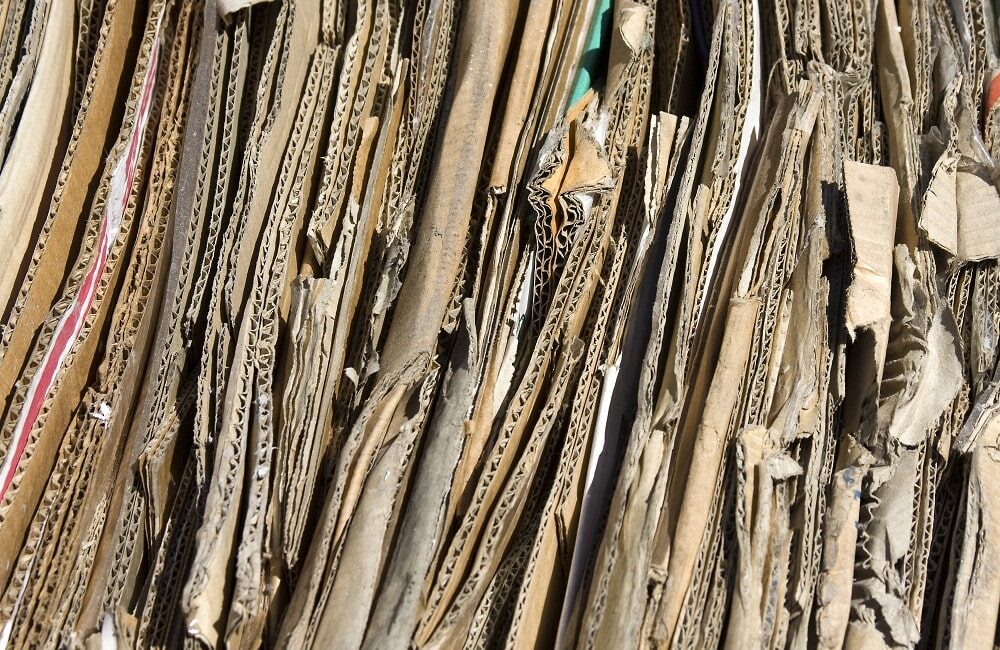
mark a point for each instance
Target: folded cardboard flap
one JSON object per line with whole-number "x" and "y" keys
{"x": 872, "y": 196}
{"x": 960, "y": 211}
{"x": 978, "y": 217}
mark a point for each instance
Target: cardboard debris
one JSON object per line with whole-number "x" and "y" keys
{"x": 530, "y": 324}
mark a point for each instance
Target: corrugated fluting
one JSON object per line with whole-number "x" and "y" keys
{"x": 446, "y": 324}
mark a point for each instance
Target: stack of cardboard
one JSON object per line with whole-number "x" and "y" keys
{"x": 499, "y": 323}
